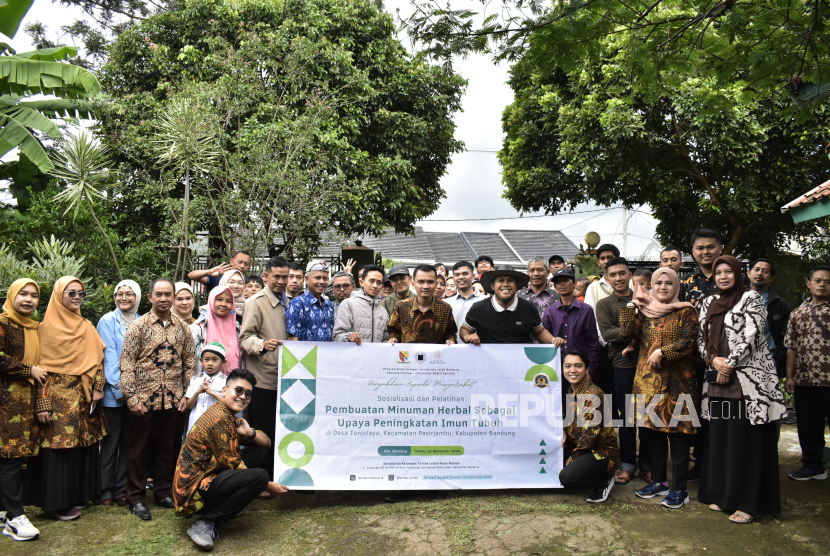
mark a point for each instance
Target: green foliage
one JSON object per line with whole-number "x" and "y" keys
{"x": 700, "y": 155}
{"x": 138, "y": 253}
{"x": 12, "y": 13}
{"x": 761, "y": 46}
{"x": 318, "y": 107}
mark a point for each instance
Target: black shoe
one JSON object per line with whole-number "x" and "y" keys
{"x": 166, "y": 502}
{"x": 142, "y": 511}
{"x": 694, "y": 474}
{"x": 394, "y": 496}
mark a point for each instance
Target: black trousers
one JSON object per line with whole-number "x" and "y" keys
{"x": 812, "y": 407}
{"x": 604, "y": 375}
{"x": 11, "y": 486}
{"x": 162, "y": 424}
{"x": 262, "y": 415}
{"x": 231, "y": 492}
{"x": 680, "y": 444}
{"x": 584, "y": 473}
{"x": 624, "y": 386}
{"x": 702, "y": 432}
{"x": 114, "y": 449}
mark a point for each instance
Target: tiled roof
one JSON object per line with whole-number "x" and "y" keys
{"x": 449, "y": 248}
{"x": 820, "y": 192}
{"x": 492, "y": 245}
{"x": 532, "y": 243}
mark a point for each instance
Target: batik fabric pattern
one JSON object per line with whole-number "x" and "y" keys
{"x": 408, "y": 325}
{"x": 598, "y": 440}
{"x": 675, "y": 335}
{"x": 310, "y": 319}
{"x": 17, "y": 395}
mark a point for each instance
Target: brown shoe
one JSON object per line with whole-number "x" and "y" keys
{"x": 107, "y": 502}
{"x": 121, "y": 500}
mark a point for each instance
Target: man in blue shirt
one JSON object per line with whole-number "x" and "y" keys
{"x": 310, "y": 317}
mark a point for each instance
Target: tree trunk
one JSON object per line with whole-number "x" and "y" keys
{"x": 184, "y": 218}
{"x": 106, "y": 237}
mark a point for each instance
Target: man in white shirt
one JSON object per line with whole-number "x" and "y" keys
{"x": 467, "y": 295}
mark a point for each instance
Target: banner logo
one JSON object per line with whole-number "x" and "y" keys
{"x": 404, "y": 356}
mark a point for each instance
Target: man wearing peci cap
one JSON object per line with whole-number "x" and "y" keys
{"x": 505, "y": 318}
{"x": 310, "y": 316}
{"x": 571, "y": 322}
{"x": 399, "y": 278}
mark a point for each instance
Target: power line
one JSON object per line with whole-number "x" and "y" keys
{"x": 525, "y": 217}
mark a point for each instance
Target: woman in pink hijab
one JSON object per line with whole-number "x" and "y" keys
{"x": 665, "y": 385}
{"x": 218, "y": 324}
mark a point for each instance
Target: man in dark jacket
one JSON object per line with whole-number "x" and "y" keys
{"x": 761, "y": 274}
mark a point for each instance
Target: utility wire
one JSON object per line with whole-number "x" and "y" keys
{"x": 525, "y": 217}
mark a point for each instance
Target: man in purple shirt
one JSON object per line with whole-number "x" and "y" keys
{"x": 570, "y": 321}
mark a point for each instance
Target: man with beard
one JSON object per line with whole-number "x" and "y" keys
{"x": 400, "y": 280}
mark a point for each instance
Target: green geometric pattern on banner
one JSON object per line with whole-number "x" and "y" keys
{"x": 310, "y": 361}
{"x": 540, "y": 355}
{"x": 296, "y": 437}
{"x": 542, "y": 443}
{"x": 541, "y": 370}
{"x": 288, "y": 360}
{"x": 542, "y": 462}
{"x": 296, "y": 478}
{"x": 543, "y": 470}
{"x": 543, "y": 452}
{"x": 293, "y": 421}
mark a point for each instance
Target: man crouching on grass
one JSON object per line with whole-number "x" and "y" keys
{"x": 211, "y": 479}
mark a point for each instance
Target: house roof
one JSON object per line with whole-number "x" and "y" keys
{"x": 531, "y": 243}
{"x": 820, "y": 192}
{"x": 513, "y": 247}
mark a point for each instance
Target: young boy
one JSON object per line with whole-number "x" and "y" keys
{"x": 206, "y": 387}
{"x": 642, "y": 277}
{"x": 252, "y": 285}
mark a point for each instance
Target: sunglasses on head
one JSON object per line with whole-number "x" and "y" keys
{"x": 72, "y": 294}
{"x": 242, "y": 393}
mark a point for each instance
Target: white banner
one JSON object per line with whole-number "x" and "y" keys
{"x": 418, "y": 416}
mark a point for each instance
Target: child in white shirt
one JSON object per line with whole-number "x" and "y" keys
{"x": 206, "y": 387}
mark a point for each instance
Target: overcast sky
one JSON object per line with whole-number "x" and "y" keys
{"x": 473, "y": 181}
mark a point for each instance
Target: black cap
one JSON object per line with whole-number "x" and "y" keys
{"x": 400, "y": 270}
{"x": 556, "y": 258}
{"x": 564, "y": 273}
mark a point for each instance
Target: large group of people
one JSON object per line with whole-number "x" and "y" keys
{"x": 182, "y": 400}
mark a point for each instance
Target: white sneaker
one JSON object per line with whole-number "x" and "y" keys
{"x": 20, "y": 529}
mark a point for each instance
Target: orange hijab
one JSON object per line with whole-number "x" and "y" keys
{"x": 31, "y": 349}
{"x": 69, "y": 344}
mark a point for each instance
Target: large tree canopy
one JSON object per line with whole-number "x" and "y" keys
{"x": 700, "y": 154}
{"x": 760, "y": 46}
{"x": 385, "y": 135}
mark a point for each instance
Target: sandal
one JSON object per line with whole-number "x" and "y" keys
{"x": 623, "y": 478}
{"x": 645, "y": 475}
{"x": 716, "y": 508}
{"x": 741, "y": 517}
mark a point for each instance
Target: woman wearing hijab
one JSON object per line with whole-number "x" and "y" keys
{"x": 70, "y": 420}
{"x": 235, "y": 280}
{"x": 19, "y": 370}
{"x": 183, "y": 303}
{"x": 112, "y": 328}
{"x": 218, "y": 324}
{"x": 666, "y": 380}
{"x": 441, "y": 285}
{"x": 740, "y": 400}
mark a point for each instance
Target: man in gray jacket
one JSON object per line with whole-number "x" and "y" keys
{"x": 361, "y": 317}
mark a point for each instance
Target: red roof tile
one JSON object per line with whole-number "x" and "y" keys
{"x": 820, "y": 192}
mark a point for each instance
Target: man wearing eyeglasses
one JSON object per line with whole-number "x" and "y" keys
{"x": 342, "y": 286}
{"x": 211, "y": 479}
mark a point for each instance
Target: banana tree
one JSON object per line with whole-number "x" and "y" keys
{"x": 32, "y": 73}
{"x": 83, "y": 164}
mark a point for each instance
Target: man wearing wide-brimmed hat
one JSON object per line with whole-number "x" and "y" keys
{"x": 505, "y": 318}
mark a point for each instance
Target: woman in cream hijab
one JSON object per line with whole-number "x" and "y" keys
{"x": 70, "y": 420}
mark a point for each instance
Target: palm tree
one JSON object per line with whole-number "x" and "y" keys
{"x": 186, "y": 140}
{"x": 83, "y": 164}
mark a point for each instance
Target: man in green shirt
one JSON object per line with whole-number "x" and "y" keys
{"x": 618, "y": 277}
{"x": 400, "y": 279}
